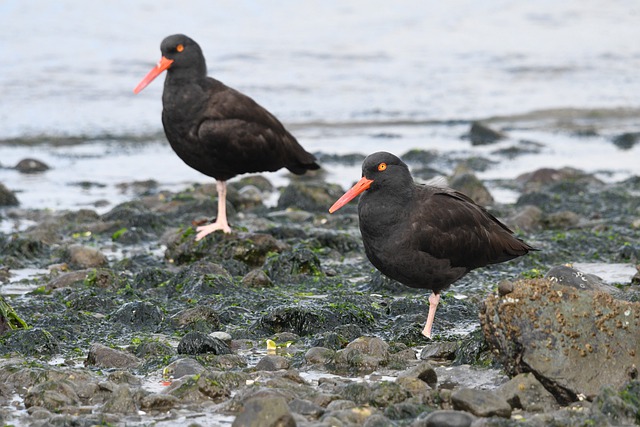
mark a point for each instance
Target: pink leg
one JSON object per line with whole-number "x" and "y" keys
{"x": 434, "y": 299}
{"x": 221, "y": 220}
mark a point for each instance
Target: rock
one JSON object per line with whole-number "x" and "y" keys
{"x": 618, "y": 408}
{"x": 102, "y": 356}
{"x": 482, "y": 403}
{"x": 298, "y": 261}
{"x": 206, "y": 387}
{"x": 446, "y": 418}
{"x": 481, "y": 134}
{"x": 306, "y": 408}
{"x": 183, "y": 367}
{"x": 569, "y": 276}
{"x": 139, "y": 315}
{"x": 272, "y": 363}
{"x": 363, "y": 355}
{"x": 468, "y": 184}
{"x": 377, "y": 420}
{"x": 121, "y": 402}
{"x": 83, "y": 257}
{"x": 156, "y": 402}
{"x": 348, "y": 417}
{"x": 574, "y": 341}
{"x": 52, "y": 395}
{"x": 424, "y": 372}
{"x": 199, "y": 343}
{"x": 526, "y": 392}
{"x": 309, "y": 196}
{"x": 626, "y": 141}
{"x": 528, "y": 218}
{"x": 200, "y": 318}
{"x": 31, "y": 166}
{"x": 7, "y": 198}
{"x": 386, "y": 393}
{"x": 269, "y": 411}
{"x": 439, "y": 350}
{"x": 319, "y": 355}
{"x": 33, "y": 342}
{"x": 257, "y": 278}
{"x": 561, "y": 220}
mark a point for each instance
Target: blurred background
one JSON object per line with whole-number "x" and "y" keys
{"x": 344, "y": 76}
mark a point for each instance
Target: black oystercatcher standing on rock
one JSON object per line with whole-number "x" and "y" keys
{"x": 217, "y": 130}
{"x": 424, "y": 236}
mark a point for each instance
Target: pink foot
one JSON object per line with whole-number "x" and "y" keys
{"x": 205, "y": 230}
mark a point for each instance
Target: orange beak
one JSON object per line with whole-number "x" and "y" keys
{"x": 360, "y": 187}
{"x": 163, "y": 64}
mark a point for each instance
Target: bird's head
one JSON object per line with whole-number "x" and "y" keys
{"x": 178, "y": 51}
{"x": 379, "y": 170}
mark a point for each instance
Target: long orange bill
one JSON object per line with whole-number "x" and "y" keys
{"x": 163, "y": 64}
{"x": 360, "y": 186}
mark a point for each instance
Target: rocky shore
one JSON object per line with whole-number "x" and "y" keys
{"x": 284, "y": 322}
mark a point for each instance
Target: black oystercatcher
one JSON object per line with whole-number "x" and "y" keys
{"x": 217, "y": 130}
{"x": 424, "y": 236}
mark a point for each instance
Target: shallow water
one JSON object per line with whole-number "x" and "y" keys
{"x": 344, "y": 77}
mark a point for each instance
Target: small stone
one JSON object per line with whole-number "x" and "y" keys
{"x": 267, "y": 411}
{"x": 505, "y": 287}
{"x": 447, "y": 418}
{"x": 222, "y": 336}
{"x": 482, "y": 403}
{"x": 107, "y": 357}
{"x": 86, "y": 257}
{"x": 481, "y": 134}
{"x": 272, "y": 363}
{"x": 183, "y": 367}
{"x": 31, "y": 166}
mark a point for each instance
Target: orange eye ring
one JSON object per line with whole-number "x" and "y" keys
{"x": 180, "y": 48}
{"x": 382, "y": 166}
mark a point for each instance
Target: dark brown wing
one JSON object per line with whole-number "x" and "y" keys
{"x": 449, "y": 225}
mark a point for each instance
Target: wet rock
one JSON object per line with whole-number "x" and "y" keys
{"x": 547, "y": 178}
{"x": 529, "y": 218}
{"x": 482, "y": 403}
{"x": 83, "y": 257}
{"x": 319, "y": 355}
{"x": 560, "y": 334}
{"x": 626, "y": 140}
{"x": 102, "y": 356}
{"x": 200, "y": 318}
{"x": 422, "y": 371}
{"x": 446, "y": 418}
{"x": 439, "y": 350}
{"x": 257, "y": 278}
{"x": 133, "y": 216}
{"x": 270, "y": 411}
{"x": 570, "y": 276}
{"x": 618, "y": 407}
{"x": 200, "y": 388}
{"x": 306, "y": 408}
{"x": 52, "y": 395}
{"x": 468, "y": 184}
{"x": 298, "y": 319}
{"x": 272, "y": 363}
{"x": 386, "y": 393}
{"x": 199, "y": 343}
{"x": 121, "y": 402}
{"x": 7, "y": 198}
{"x": 124, "y": 377}
{"x": 309, "y": 196}
{"x": 561, "y": 220}
{"x": 32, "y": 342}
{"x": 298, "y": 261}
{"x": 526, "y": 392}
{"x": 151, "y": 277}
{"x": 89, "y": 301}
{"x": 184, "y": 367}
{"x": 139, "y": 316}
{"x": 349, "y": 417}
{"x": 199, "y": 279}
{"x": 31, "y": 166}
{"x": 482, "y": 134}
{"x": 156, "y": 402}
{"x": 363, "y": 355}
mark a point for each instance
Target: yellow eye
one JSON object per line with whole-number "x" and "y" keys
{"x": 180, "y": 48}
{"x": 382, "y": 166}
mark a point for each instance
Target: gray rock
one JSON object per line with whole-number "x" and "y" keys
{"x": 306, "y": 408}
{"x": 107, "y": 357}
{"x": 33, "y": 342}
{"x": 570, "y": 276}
{"x": 52, "y": 395}
{"x": 309, "y": 196}
{"x": 446, "y": 418}
{"x": 349, "y": 417}
{"x": 7, "y": 198}
{"x": 183, "y": 367}
{"x": 378, "y": 420}
{"x": 482, "y": 134}
{"x": 386, "y": 393}
{"x": 199, "y": 343}
{"x": 270, "y": 411}
{"x": 86, "y": 257}
{"x": 272, "y": 363}
{"x": 200, "y": 318}
{"x": 470, "y": 185}
{"x": 526, "y": 392}
{"x": 205, "y": 387}
{"x": 482, "y": 403}
{"x": 574, "y": 341}
{"x": 424, "y": 372}
{"x": 138, "y": 315}
{"x": 528, "y": 218}
{"x": 319, "y": 355}
{"x": 257, "y": 278}
{"x": 31, "y": 166}
{"x": 439, "y": 350}
{"x": 120, "y": 402}
{"x": 158, "y": 402}
{"x": 365, "y": 354}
